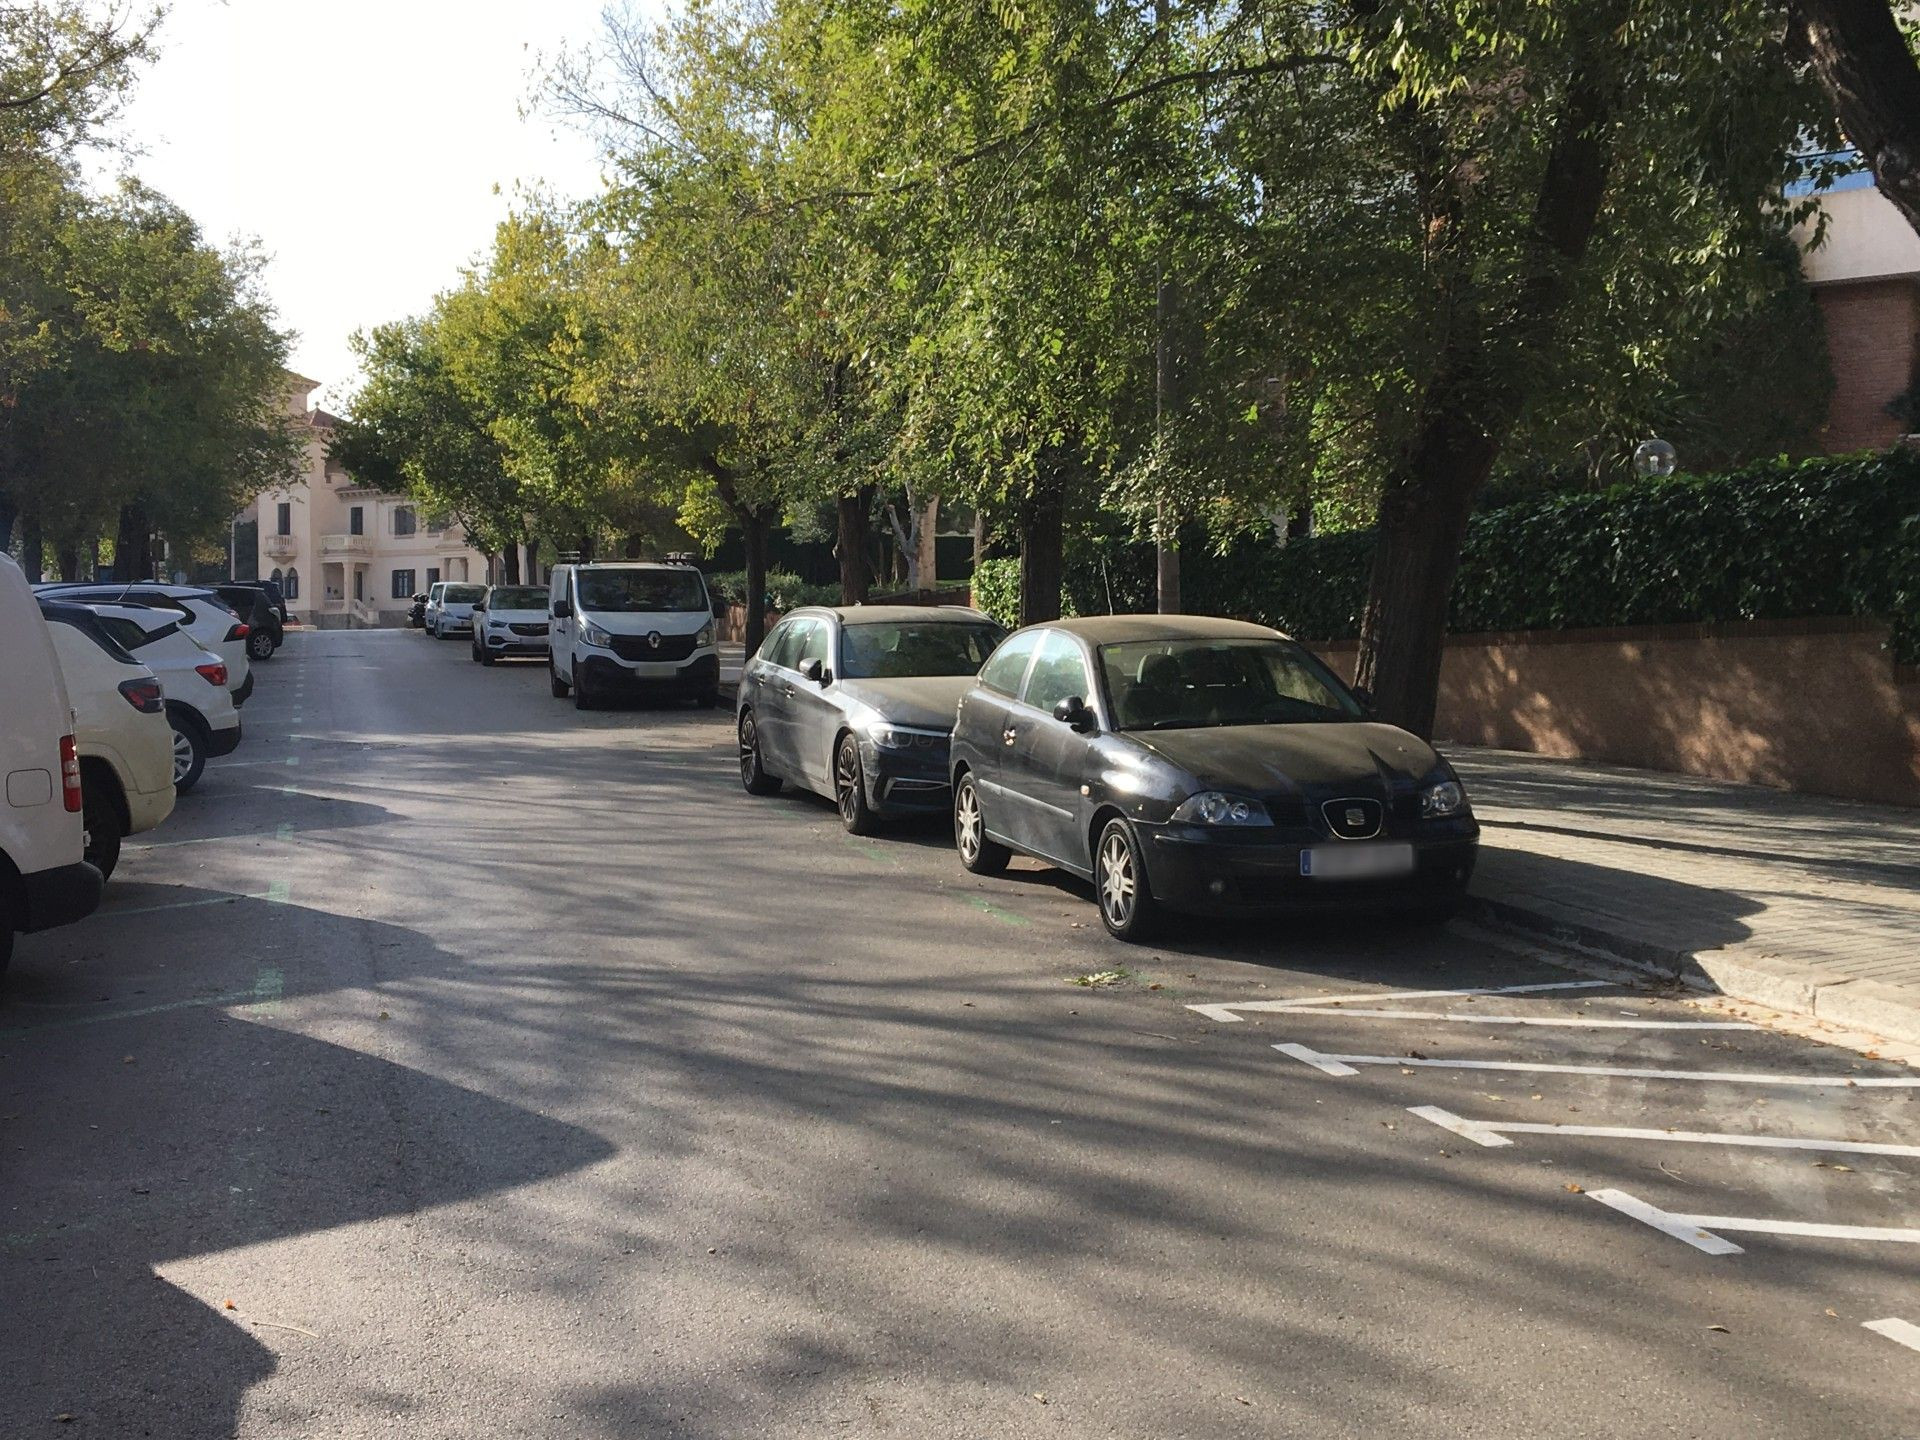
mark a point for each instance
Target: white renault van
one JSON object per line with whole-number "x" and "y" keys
{"x": 44, "y": 879}
{"x": 631, "y": 628}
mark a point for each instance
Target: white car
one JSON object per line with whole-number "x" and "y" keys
{"x": 120, "y": 728}
{"x": 45, "y": 879}
{"x": 199, "y": 707}
{"x": 205, "y": 617}
{"x": 510, "y": 620}
{"x": 450, "y": 608}
{"x": 631, "y": 627}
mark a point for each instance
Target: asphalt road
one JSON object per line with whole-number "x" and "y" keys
{"x": 454, "y": 1064}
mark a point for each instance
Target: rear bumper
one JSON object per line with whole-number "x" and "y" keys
{"x": 147, "y": 809}
{"x": 223, "y": 742}
{"x": 59, "y": 896}
{"x": 1206, "y": 876}
{"x": 698, "y": 676}
{"x": 246, "y": 689}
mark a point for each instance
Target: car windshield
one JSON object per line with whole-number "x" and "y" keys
{"x": 893, "y": 649}
{"x": 520, "y": 598}
{"x": 629, "y": 591}
{"x": 1181, "y": 684}
{"x": 462, "y": 594}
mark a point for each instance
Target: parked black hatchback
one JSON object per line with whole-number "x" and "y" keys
{"x": 1200, "y": 765}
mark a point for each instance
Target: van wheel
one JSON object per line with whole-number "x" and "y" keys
{"x": 583, "y": 698}
{"x": 103, "y": 832}
{"x": 560, "y": 687}
{"x": 189, "y": 749}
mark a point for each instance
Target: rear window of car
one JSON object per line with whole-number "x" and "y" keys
{"x": 1006, "y": 666}
{"x": 132, "y": 634}
{"x": 462, "y": 594}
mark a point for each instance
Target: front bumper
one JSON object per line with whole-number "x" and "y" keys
{"x": 699, "y": 675}
{"x": 508, "y": 643}
{"x": 223, "y": 742}
{"x": 908, "y": 779}
{"x": 1222, "y": 873}
{"x": 246, "y": 689}
{"x": 59, "y": 896}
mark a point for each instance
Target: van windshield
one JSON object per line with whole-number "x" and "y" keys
{"x": 630, "y": 591}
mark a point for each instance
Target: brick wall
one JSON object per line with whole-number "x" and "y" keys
{"x": 1810, "y": 705}
{"x": 1873, "y": 336}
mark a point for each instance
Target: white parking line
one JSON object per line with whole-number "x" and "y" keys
{"x": 1493, "y": 1133}
{"x": 1901, "y": 1332}
{"x": 1575, "y": 1022}
{"x": 1223, "y": 1012}
{"x": 1343, "y": 1065}
{"x": 1698, "y": 1230}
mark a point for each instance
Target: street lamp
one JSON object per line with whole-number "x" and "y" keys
{"x": 1654, "y": 459}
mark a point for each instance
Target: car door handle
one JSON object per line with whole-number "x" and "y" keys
{"x": 1009, "y": 735}
{"x": 787, "y": 691}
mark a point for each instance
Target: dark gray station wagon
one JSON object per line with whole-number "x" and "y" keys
{"x": 1202, "y": 765}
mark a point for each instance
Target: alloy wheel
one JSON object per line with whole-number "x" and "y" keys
{"x": 846, "y": 781}
{"x": 182, "y": 756}
{"x": 1117, "y": 887}
{"x": 749, "y": 749}
{"x": 966, "y": 822}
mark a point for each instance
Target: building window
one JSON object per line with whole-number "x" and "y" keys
{"x": 276, "y": 576}
{"x": 403, "y": 584}
{"x": 359, "y": 584}
{"x": 283, "y": 521}
{"x": 357, "y": 520}
{"x": 290, "y": 587}
{"x": 433, "y": 576}
{"x": 404, "y": 521}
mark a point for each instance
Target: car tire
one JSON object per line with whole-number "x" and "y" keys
{"x": 260, "y": 645}
{"x": 754, "y": 778}
{"x": 850, "y": 788}
{"x": 979, "y": 854}
{"x": 583, "y": 698}
{"x": 189, "y": 749}
{"x": 1127, "y": 906}
{"x": 6, "y": 930}
{"x": 559, "y": 686}
{"x": 708, "y": 699}
{"x": 485, "y": 656}
{"x": 104, "y": 831}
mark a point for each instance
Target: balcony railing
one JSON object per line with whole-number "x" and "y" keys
{"x": 280, "y": 547}
{"x": 346, "y": 545}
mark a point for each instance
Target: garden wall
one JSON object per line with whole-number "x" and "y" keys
{"x": 1811, "y": 705}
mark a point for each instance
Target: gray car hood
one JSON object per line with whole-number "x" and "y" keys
{"x": 1293, "y": 757}
{"x": 925, "y": 701}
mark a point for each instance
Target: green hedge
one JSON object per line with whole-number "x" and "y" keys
{"x": 1771, "y": 541}
{"x": 786, "y": 588}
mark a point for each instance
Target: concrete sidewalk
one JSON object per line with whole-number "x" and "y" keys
{"x": 1803, "y": 904}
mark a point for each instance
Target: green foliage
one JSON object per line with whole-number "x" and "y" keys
{"x": 996, "y": 590}
{"x": 1769, "y": 541}
{"x": 786, "y": 589}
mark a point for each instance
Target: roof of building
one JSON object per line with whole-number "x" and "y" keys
{"x": 321, "y": 420}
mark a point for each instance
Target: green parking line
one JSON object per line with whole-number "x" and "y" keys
{"x": 274, "y": 894}
{"x": 868, "y": 849}
{"x": 235, "y": 997}
{"x": 987, "y": 907}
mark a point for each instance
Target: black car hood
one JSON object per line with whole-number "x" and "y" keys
{"x": 1264, "y": 758}
{"x": 926, "y": 701}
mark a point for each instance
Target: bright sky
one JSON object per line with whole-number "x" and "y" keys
{"x": 360, "y": 142}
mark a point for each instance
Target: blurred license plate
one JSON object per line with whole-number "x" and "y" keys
{"x": 1356, "y": 862}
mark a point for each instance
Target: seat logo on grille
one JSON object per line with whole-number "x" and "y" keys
{"x": 1356, "y": 817}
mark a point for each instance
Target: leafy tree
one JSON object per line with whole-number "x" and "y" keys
{"x": 1862, "y": 52}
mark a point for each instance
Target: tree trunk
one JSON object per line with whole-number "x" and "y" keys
{"x": 133, "y": 545}
{"x": 1042, "y": 553}
{"x": 927, "y": 560}
{"x": 69, "y": 556}
{"x": 850, "y": 545}
{"x": 9, "y": 512}
{"x": 510, "y": 565}
{"x": 633, "y": 547}
{"x": 1467, "y": 410}
{"x": 533, "y": 562}
{"x": 32, "y": 548}
{"x": 754, "y": 527}
{"x": 1873, "y": 83}
{"x": 979, "y": 537}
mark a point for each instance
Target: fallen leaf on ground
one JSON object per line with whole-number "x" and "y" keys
{"x": 1721, "y": 1328}
{"x": 1576, "y": 1189}
{"x": 229, "y": 1305}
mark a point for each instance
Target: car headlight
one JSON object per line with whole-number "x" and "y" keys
{"x": 902, "y": 737}
{"x": 1437, "y": 802}
{"x": 496, "y": 624}
{"x": 1210, "y": 807}
{"x": 704, "y": 638}
{"x": 594, "y": 635}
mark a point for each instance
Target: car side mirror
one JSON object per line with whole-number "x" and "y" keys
{"x": 562, "y": 609}
{"x": 1365, "y": 697}
{"x": 816, "y": 672}
{"x": 1073, "y": 711}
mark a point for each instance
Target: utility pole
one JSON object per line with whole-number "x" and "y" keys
{"x": 1166, "y": 524}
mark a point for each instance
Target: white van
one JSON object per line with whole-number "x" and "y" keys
{"x": 120, "y": 726}
{"x": 44, "y": 879}
{"x": 631, "y": 627}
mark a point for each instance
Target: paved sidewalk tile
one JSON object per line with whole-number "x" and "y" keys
{"x": 1794, "y": 901}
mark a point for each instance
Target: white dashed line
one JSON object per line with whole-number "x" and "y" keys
{"x": 1572, "y": 1021}
{"x": 1492, "y": 1133}
{"x": 1901, "y": 1332}
{"x": 1223, "y": 1011}
{"x": 1699, "y": 1230}
{"x": 1342, "y": 1065}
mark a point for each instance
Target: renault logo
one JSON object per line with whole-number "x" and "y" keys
{"x": 1356, "y": 817}
{"x": 653, "y": 639}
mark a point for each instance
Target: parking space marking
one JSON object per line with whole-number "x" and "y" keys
{"x": 252, "y": 764}
{"x": 1699, "y": 1230}
{"x": 274, "y": 894}
{"x": 1223, "y": 1011}
{"x": 1584, "y": 1022}
{"x": 1493, "y": 1133}
{"x": 1901, "y": 1332}
{"x": 284, "y": 832}
{"x": 233, "y": 997}
{"x": 1343, "y": 1065}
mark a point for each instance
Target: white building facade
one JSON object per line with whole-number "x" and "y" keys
{"x": 347, "y": 555}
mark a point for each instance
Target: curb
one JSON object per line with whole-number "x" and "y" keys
{"x": 1763, "y": 980}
